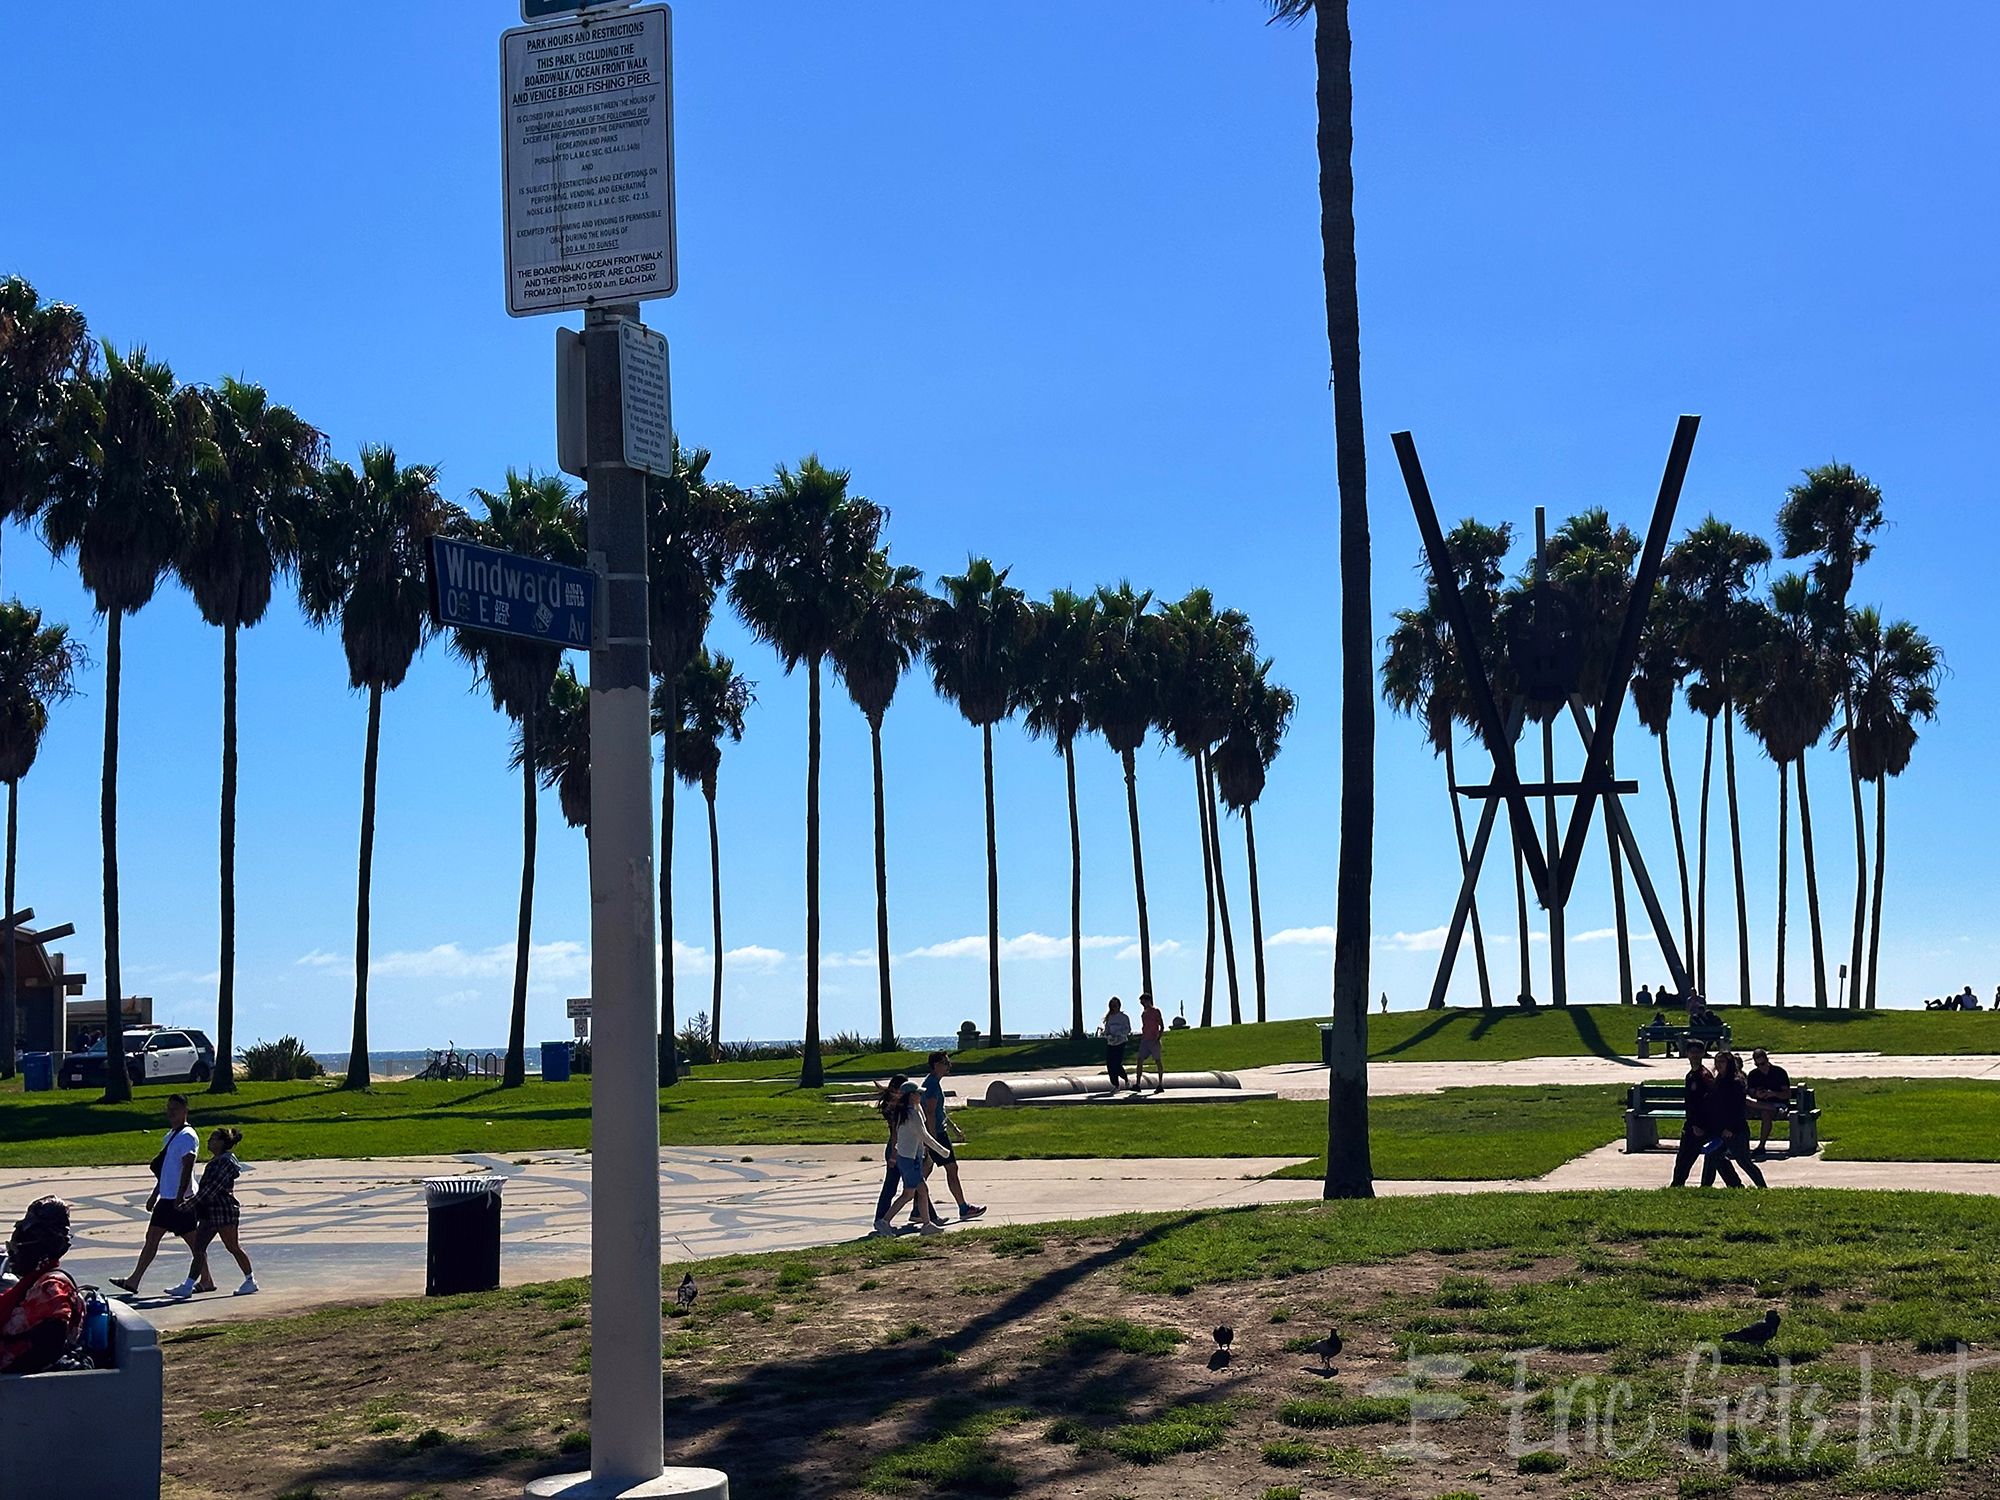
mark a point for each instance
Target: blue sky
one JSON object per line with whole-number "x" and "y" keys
{"x": 1046, "y": 278}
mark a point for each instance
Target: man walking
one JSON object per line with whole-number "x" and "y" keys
{"x": 170, "y": 1203}
{"x": 937, "y": 1121}
{"x": 1152, "y": 1026}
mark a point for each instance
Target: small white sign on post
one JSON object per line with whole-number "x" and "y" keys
{"x": 579, "y": 1007}
{"x": 649, "y": 417}
{"x": 586, "y": 117}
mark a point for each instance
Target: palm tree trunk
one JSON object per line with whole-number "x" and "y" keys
{"x": 811, "y": 1073}
{"x": 1860, "y": 866}
{"x": 1812, "y": 890}
{"x": 357, "y": 1047}
{"x": 1138, "y": 874}
{"x": 670, "y": 1072}
{"x": 1222, "y": 894}
{"x": 1680, "y": 847}
{"x": 881, "y": 895}
{"x": 1208, "y": 895}
{"x": 223, "y": 1079}
{"x": 715, "y": 907}
{"x": 1784, "y": 854}
{"x": 1881, "y": 848}
{"x": 515, "y": 1072}
{"x": 9, "y": 995}
{"x": 1736, "y": 854}
{"x": 1521, "y": 906}
{"x": 1075, "y": 898}
{"x": 1464, "y": 864}
{"x": 1256, "y": 906}
{"x": 1349, "y": 1170}
{"x": 117, "y": 1085}
{"x": 1701, "y": 868}
{"x": 994, "y": 1032}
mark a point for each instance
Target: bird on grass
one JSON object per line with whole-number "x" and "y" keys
{"x": 1325, "y": 1348}
{"x": 686, "y": 1292}
{"x": 1759, "y": 1332}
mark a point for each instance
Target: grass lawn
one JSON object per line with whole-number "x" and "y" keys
{"x": 1075, "y": 1359}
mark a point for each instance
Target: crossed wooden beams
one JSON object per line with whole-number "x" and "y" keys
{"x": 1553, "y": 870}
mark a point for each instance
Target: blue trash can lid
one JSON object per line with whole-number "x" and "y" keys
{"x": 448, "y": 1189}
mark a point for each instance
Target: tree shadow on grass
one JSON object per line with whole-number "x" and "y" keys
{"x": 1419, "y": 1036}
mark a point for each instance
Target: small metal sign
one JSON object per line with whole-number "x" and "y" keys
{"x": 543, "y": 10}
{"x": 483, "y": 588}
{"x": 649, "y": 421}
{"x": 579, "y": 1007}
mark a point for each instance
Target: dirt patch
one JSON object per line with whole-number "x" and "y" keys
{"x": 1016, "y": 1365}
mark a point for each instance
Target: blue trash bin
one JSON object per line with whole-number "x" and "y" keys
{"x": 555, "y": 1062}
{"x": 38, "y": 1071}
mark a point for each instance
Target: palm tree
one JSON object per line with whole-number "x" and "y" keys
{"x": 241, "y": 530}
{"x": 43, "y": 346}
{"x": 1894, "y": 684}
{"x": 1788, "y": 704}
{"x": 362, "y": 551}
{"x": 38, "y": 666}
{"x": 1259, "y": 718}
{"x": 1658, "y": 675}
{"x": 690, "y": 527}
{"x": 562, "y": 747}
{"x": 1349, "y": 1173}
{"x": 1713, "y": 563}
{"x": 972, "y": 640}
{"x": 713, "y": 698}
{"x": 1055, "y": 668}
{"x": 536, "y": 516}
{"x": 888, "y": 635}
{"x": 130, "y": 441}
{"x": 1119, "y": 694}
{"x": 806, "y": 546}
{"x": 1830, "y": 519}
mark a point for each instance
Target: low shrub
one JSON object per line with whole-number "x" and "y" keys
{"x": 281, "y": 1061}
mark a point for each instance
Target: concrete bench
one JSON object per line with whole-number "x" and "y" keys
{"x": 1094, "y": 1088}
{"x": 1646, "y": 1104}
{"x": 87, "y": 1434}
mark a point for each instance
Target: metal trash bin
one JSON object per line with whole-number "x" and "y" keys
{"x": 555, "y": 1062}
{"x": 38, "y": 1072}
{"x": 464, "y": 1253}
{"x": 1325, "y": 1044}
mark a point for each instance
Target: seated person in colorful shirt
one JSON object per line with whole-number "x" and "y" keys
{"x": 41, "y": 1315}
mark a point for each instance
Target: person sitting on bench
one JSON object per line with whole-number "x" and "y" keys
{"x": 1770, "y": 1092}
{"x": 41, "y": 1315}
{"x": 1699, "y": 1015}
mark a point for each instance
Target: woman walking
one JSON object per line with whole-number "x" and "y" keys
{"x": 1729, "y": 1118}
{"x": 1117, "y": 1032}
{"x": 908, "y": 1140}
{"x": 217, "y": 1213}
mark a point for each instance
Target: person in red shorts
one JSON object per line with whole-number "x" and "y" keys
{"x": 1152, "y": 1026}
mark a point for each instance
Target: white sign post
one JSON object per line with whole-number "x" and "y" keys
{"x": 649, "y": 420}
{"x": 586, "y": 113}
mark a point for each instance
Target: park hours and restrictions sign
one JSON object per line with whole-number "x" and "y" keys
{"x": 586, "y": 116}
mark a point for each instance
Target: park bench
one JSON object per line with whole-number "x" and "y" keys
{"x": 1669, "y": 1038}
{"x": 1646, "y": 1104}
{"x": 84, "y": 1434}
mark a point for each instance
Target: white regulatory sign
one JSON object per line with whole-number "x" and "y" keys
{"x": 586, "y": 117}
{"x": 649, "y": 420}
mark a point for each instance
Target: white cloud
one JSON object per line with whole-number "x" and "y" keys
{"x": 1430, "y": 940}
{"x": 1601, "y": 934}
{"x": 1164, "y": 946}
{"x": 546, "y": 962}
{"x": 1303, "y": 937}
{"x": 319, "y": 959}
{"x": 752, "y": 957}
{"x": 1029, "y": 945}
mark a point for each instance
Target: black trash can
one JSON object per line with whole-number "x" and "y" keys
{"x": 464, "y": 1253}
{"x": 1325, "y": 1044}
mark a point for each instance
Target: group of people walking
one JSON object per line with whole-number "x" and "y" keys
{"x": 1117, "y": 1029}
{"x": 920, "y": 1141}
{"x": 200, "y": 1213}
{"x": 1718, "y": 1106}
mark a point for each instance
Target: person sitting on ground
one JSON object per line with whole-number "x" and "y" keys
{"x": 1727, "y": 1094}
{"x": 41, "y": 1314}
{"x": 1967, "y": 1000}
{"x": 217, "y": 1213}
{"x": 1117, "y": 1032}
{"x": 1699, "y": 1015}
{"x": 905, "y": 1115}
{"x": 1152, "y": 1026}
{"x": 170, "y": 1201}
{"x": 1663, "y": 998}
{"x": 1770, "y": 1091}
{"x": 1644, "y": 999}
{"x": 1996, "y": 999}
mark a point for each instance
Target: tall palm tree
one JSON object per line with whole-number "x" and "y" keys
{"x": 713, "y": 698}
{"x": 807, "y": 546}
{"x": 43, "y": 346}
{"x": 362, "y": 551}
{"x": 1259, "y": 718}
{"x": 1055, "y": 668}
{"x": 1119, "y": 694}
{"x": 1349, "y": 1173}
{"x": 130, "y": 440}
{"x": 690, "y": 544}
{"x": 1713, "y": 564}
{"x": 535, "y": 516}
{"x": 38, "y": 667}
{"x": 1830, "y": 518}
{"x": 972, "y": 640}
{"x": 1658, "y": 674}
{"x": 562, "y": 747}
{"x": 888, "y": 635}
{"x": 1894, "y": 684}
{"x": 1788, "y": 704}
{"x": 241, "y": 530}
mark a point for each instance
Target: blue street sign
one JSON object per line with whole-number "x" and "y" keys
{"x": 483, "y": 588}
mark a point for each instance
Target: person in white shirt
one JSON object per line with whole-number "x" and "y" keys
{"x": 903, "y": 1110}
{"x": 1117, "y": 1032}
{"x": 171, "y": 1201}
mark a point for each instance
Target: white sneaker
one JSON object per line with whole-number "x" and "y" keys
{"x": 884, "y": 1228}
{"x": 184, "y": 1290}
{"x": 930, "y": 1226}
{"x": 249, "y": 1286}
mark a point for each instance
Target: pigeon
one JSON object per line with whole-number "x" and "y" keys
{"x": 1759, "y": 1332}
{"x": 684, "y": 1294}
{"x": 1224, "y": 1336}
{"x": 1325, "y": 1348}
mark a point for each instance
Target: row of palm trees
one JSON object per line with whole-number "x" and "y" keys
{"x": 1795, "y": 663}
{"x": 140, "y": 478}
